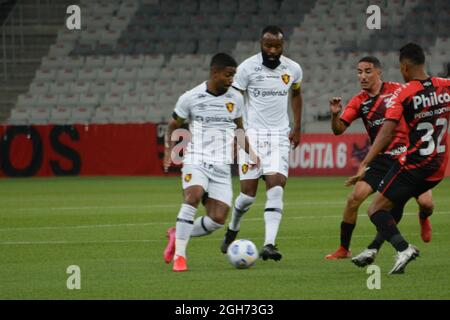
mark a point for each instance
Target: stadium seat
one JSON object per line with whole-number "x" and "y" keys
{"x": 39, "y": 115}
{"x": 138, "y": 113}
{"x": 88, "y": 74}
{"x": 67, "y": 74}
{"x": 134, "y": 61}
{"x": 47, "y": 100}
{"x": 144, "y": 86}
{"x": 102, "y": 115}
{"x": 94, "y": 61}
{"x": 38, "y": 87}
{"x": 107, "y": 73}
{"x": 112, "y": 99}
{"x": 131, "y": 98}
{"x": 120, "y": 114}
{"x": 60, "y": 115}
{"x": 89, "y": 99}
{"x": 59, "y": 87}
{"x": 45, "y": 74}
{"x": 100, "y": 87}
{"x": 148, "y": 98}
{"x": 48, "y": 62}
{"x": 19, "y": 116}
{"x": 127, "y": 73}
{"x": 81, "y": 115}
{"x": 70, "y": 100}
{"x": 80, "y": 86}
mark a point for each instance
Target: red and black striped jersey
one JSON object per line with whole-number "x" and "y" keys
{"x": 372, "y": 112}
{"x": 425, "y": 106}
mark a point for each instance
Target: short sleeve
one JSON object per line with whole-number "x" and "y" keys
{"x": 351, "y": 111}
{"x": 182, "y": 108}
{"x": 241, "y": 77}
{"x": 298, "y": 77}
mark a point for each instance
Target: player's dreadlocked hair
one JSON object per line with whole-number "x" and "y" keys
{"x": 413, "y": 52}
{"x": 371, "y": 59}
{"x": 222, "y": 60}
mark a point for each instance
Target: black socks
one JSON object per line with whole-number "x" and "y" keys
{"x": 387, "y": 227}
{"x": 346, "y": 234}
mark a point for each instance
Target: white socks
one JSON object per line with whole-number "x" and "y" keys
{"x": 184, "y": 226}
{"x": 204, "y": 225}
{"x": 241, "y": 205}
{"x": 272, "y": 213}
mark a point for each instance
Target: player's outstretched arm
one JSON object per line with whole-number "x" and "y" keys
{"x": 174, "y": 124}
{"x": 297, "y": 105}
{"x": 337, "y": 125}
{"x": 382, "y": 140}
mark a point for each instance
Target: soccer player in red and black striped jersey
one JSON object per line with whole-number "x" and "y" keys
{"x": 424, "y": 104}
{"x": 370, "y": 106}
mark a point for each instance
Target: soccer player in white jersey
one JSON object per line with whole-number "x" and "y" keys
{"x": 266, "y": 80}
{"x": 214, "y": 111}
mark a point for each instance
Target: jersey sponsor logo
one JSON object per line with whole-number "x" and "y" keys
{"x": 201, "y": 95}
{"x": 260, "y": 78}
{"x": 283, "y": 67}
{"x": 230, "y": 106}
{"x": 188, "y": 177}
{"x": 268, "y": 93}
{"x": 258, "y": 69}
{"x": 432, "y": 100}
{"x": 213, "y": 119}
{"x": 286, "y": 78}
{"x": 244, "y": 168}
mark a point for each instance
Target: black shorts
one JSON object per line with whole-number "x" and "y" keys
{"x": 399, "y": 185}
{"x": 377, "y": 169}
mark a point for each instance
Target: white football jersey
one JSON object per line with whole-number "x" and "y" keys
{"x": 211, "y": 123}
{"x": 267, "y": 92}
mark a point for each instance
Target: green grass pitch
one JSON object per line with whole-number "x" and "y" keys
{"x": 113, "y": 228}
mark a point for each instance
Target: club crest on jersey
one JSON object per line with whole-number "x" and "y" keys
{"x": 230, "y": 106}
{"x": 285, "y": 77}
{"x": 244, "y": 168}
{"x": 188, "y": 177}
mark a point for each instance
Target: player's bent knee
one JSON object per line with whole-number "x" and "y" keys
{"x": 427, "y": 207}
{"x": 192, "y": 200}
{"x": 275, "y": 197}
{"x": 355, "y": 199}
{"x": 244, "y": 201}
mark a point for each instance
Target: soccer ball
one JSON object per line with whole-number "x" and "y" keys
{"x": 242, "y": 253}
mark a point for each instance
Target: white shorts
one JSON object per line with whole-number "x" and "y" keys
{"x": 273, "y": 153}
{"x": 214, "y": 179}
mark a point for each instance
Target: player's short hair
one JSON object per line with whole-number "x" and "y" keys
{"x": 413, "y": 52}
{"x": 222, "y": 60}
{"x": 371, "y": 59}
{"x": 275, "y": 30}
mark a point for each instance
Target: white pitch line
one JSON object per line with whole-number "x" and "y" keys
{"x": 77, "y": 208}
{"x": 164, "y": 240}
{"x": 120, "y": 225}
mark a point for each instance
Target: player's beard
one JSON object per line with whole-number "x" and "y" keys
{"x": 271, "y": 64}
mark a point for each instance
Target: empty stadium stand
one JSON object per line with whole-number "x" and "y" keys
{"x": 134, "y": 58}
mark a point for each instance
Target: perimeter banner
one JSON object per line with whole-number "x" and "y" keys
{"x": 137, "y": 149}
